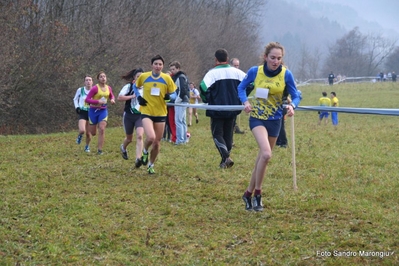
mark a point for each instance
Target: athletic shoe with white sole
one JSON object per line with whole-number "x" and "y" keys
{"x": 79, "y": 139}
{"x": 87, "y": 148}
{"x": 248, "y": 203}
{"x": 124, "y": 153}
{"x": 257, "y": 203}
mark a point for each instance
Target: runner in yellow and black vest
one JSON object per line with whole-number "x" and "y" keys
{"x": 266, "y": 112}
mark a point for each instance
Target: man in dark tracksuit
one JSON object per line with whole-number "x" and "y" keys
{"x": 331, "y": 78}
{"x": 219, "y": 87}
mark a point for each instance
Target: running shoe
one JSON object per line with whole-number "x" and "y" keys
{"x": 79, "y": 139}
{"x": 248, "y": 203}
{"x": 229, "y": 162}
{"x": 138, "y": 162}
{"x": 196, "y": 121}
{"x": 257, "y": 203}
{"x": 144, "y": 158}
{"x": 124, "y": 153}
{"x": 87, "y": 148}
{"x": 151, "y": 170}
{"x": 99, "y": 152}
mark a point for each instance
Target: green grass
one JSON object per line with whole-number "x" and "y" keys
{"x": 62, "y": 206}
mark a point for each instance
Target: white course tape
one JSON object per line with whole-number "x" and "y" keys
{"x": 210, "y": 107}
{"x": 373, "y": 111}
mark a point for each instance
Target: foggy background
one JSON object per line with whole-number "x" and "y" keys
{"x": 315, "y": 26}
{"x": 48, "y": 46}
{"x": 383, "y": 12}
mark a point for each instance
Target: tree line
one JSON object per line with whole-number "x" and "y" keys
{"x": 354, "y": 55}
{"x": 48, "y": 46}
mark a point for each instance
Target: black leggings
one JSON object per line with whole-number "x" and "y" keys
{"x": 222, "y": 133}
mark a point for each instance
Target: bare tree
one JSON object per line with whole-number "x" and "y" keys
{"x": 356, "y": 54}
{"x": 392, "y": 62}
{"x": 314, "y": 63}
{"x": 377, "y": 51}
{"x": 49, "y": 45}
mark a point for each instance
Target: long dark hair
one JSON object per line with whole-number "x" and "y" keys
{"x": 129, "y": 76}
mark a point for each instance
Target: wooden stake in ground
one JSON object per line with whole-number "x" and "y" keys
{"x": 293, "y": 154}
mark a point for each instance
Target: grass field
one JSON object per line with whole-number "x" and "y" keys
{"x": 60, "y": 206}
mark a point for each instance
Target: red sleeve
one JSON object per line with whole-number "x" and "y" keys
{"x": 111, "y": 94}
{"x": 93, "y": 91}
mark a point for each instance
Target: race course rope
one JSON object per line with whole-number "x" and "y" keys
{"x": 373, "y": 111}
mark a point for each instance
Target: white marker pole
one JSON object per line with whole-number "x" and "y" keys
{"x": 293, "y": 153}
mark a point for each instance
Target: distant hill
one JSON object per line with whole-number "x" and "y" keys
{"x": 383, "y": 11}
{"x": 349, "y": 17}
{"x": 310, "y": 25}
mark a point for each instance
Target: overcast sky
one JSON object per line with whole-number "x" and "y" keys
{"x": 384, "y": 12}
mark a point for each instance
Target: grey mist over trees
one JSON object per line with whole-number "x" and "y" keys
{"x": 48, "y": 46}
{"x": 356, "y": 54}
{"x": 314, "y": 34}
{"x": 375, "y": 15}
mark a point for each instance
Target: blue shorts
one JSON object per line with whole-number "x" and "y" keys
{"x": 97, "y": 115}
{"x": 272, "y": 126}
{"x": 334, "y": 118}
{"x": 323, "y": 114}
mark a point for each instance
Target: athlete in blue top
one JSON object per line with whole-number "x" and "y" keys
{"x": 266, "y": 111}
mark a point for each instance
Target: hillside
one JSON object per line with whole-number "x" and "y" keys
{"x": 311, "y": 25}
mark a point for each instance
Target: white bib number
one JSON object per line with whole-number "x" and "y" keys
{"x": 261, "y": 93}
{"x": 155, "y": 91}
